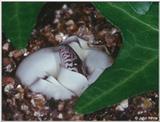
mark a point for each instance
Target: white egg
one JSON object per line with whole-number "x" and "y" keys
{"x": 38, "y": 65}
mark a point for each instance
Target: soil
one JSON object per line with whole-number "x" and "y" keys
{"x": 54, "y": 23}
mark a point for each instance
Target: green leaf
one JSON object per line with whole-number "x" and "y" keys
{"x": 136, "y": 69}
{"x": 140, "y": 7}
{"x": 18, "y": 20}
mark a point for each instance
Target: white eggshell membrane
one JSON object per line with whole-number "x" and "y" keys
{"x": 38, "y": 65}
{"x": 97, "y": 61}
{"x": 74, "y": 81}
{"x": 51, "y": 88}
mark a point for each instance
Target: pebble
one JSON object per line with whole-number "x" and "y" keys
{"x": 156, "y": 96}
{"x": 64, "y": 36}
{"x": 58, "y": 38}
{"x": 64, "y": 7}
{"x": 122, "y": 106}
{"x": 6, "y": 61}
{"x": 26, "y": 53}
{"x": 37, "y": 114}
{"x": 8, "y": 87}
{"x": 70, "y": 11}
{"x": 17, "y": 96}
{"x": 147, "y": 103}
{"x": 113, "y": 31}
{"x": 8, "y": 40}
{"x": 56, "y": 20}
{"x": 6, "y": 47}
{"x": 38, "y": 101}
{"x": 87, "y": 10}
{"x": 17, "y": 53}
{"x": 61, "y": 106}
{"x": 70, "y": 22}
{"x": 19, "y": 88}
{"x": 58, "y": 12}
{"x": 24, "y": 107}
{"x": 83, "y": 31}
{"x": 70, "y": 111}
{"x": 11, "y": 54}
{"x": 18, "y": 116}
{"x": 8, "y": 80}
{"x": 8, "y": 68}
{"x": 71, "y": 26}
{"x": 36, "y": 48}
{"x": 9, "y": 101}
{"x": 60, "y": 116}
{"x": 46, "y": 108}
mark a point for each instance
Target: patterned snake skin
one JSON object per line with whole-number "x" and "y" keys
{"x": 70, "y": 59}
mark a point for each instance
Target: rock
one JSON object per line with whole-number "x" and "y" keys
{"x": 59, "y": 37}
{"x": 64, "y": 7}
{"x": 19, "y": 88}
{"x": 26, "y": 53}
{"x": 122, "y": 106}
{"x": 16, "y": 54}
{"x": 18, "y": 116}
{"x": 8, "y": 80}
{"x": 88, "y": 10}
{"x": 9, "y": 68}
{"x": 70, "y": 11}
{"x": 6, "y": 47}
{"x": 24, "y": 107}
{"x": 8, "y": 87}
{"x": 71, "y": 27}
{"x": 8, "y": 64}
{"x": 60, "y": 116}
{"x": 38, "y": 101}
{"x": 17, "y": 96}
{"x": 6, "y": 61}
{"x": 61, "y": 106}
{"x": 146, "y": 103}
{"x": 37, "y": 114}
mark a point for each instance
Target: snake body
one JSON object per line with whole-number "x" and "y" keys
{"x": 70, "y": 59}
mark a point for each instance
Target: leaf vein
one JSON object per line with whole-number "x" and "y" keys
{"x": 133, "y": 17}
{"x": 147, "y": 48}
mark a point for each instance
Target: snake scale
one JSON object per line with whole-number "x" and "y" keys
{"x": 70, "y": 59}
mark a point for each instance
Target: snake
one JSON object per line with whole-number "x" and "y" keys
{"x": 70, "y": 59}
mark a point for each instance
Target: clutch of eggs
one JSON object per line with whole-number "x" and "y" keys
{"x": 44, "y": 72}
